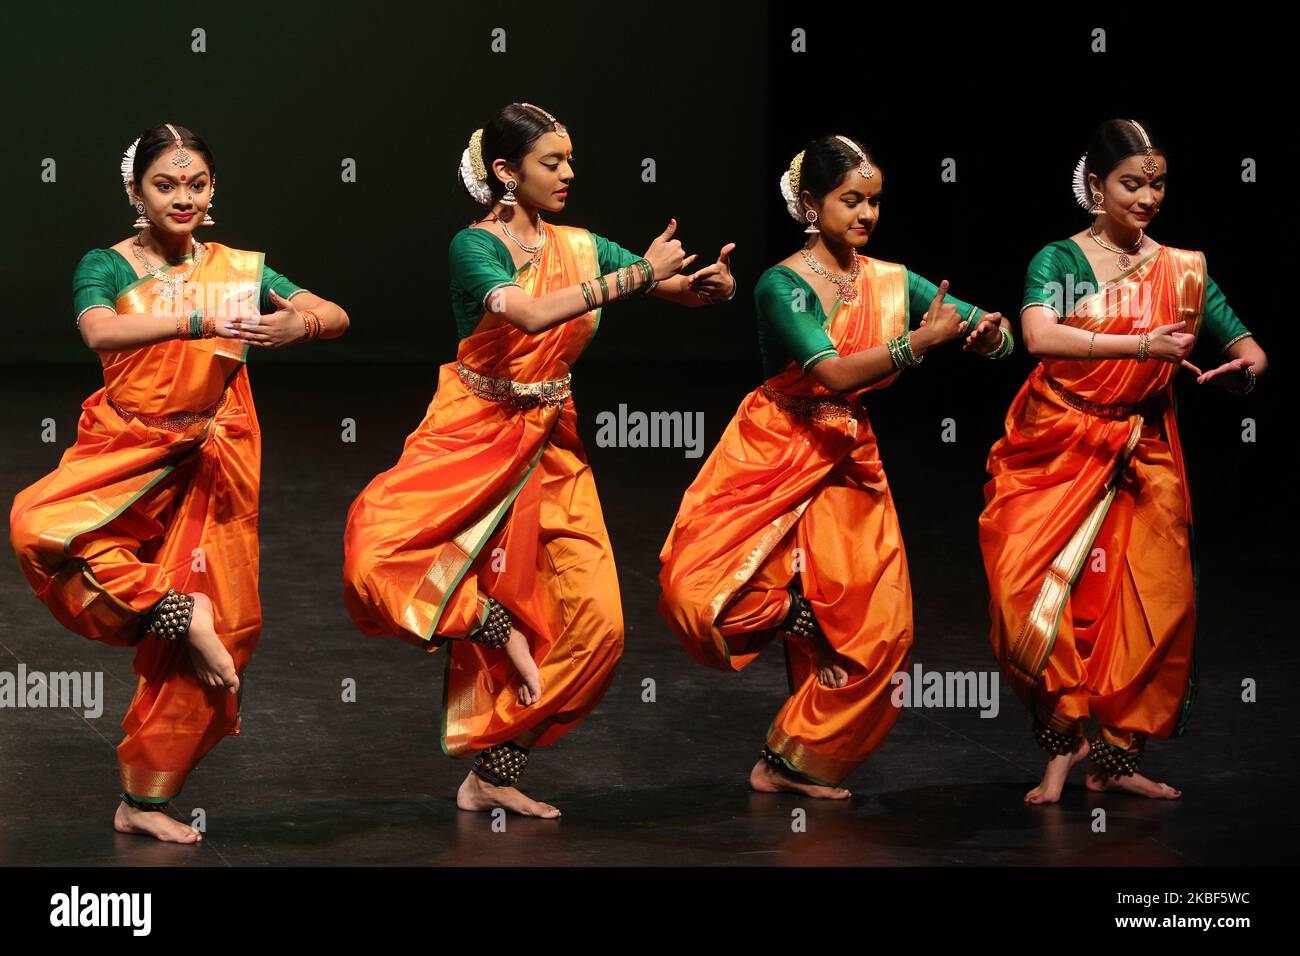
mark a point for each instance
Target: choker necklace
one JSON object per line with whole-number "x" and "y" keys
{"x": 172, "y": 284}
{"x": 1124, "y": 261}
{"x": 535, "y": 251}
{"x": 847, "y": 284}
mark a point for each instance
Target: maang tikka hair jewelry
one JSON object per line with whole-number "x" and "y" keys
{"x": 1149, "y": 165}
{"x": 559, "y": 127}
{"x": 864, "y": 167}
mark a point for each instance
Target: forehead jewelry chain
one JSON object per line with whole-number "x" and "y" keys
{"x": 180, "y": 157}
{"x": 1123, "y": 261}
{"x": 847, "y": 284}
{"x": 1148, "y": 164}
{"x": 172, "y": 284}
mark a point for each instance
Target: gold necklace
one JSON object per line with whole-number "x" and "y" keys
{"x": 534, "y": 251}
{"x": 172, "y": 285}
{"x": 1124, "y": 260}
{"x": 847, "y": 284}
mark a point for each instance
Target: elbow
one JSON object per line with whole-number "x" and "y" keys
{"x": 827, "y": 373}
{"x": 91, "y": 336}
{"x": 526, "y": 320}
{"x": 1030, "y": 342}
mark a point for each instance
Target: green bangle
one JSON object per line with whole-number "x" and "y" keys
{"x": 196, "y": 324}
{"x": 604, "y": 290}
{"x": 1006, "y": 348}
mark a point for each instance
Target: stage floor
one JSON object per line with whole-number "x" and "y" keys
{"x": 313, "y": 780}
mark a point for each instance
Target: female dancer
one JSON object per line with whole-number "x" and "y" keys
{"x": 1087, "y": 528}
{"x": 146, "y": 534}
{"x": 487, "y": 533}
{"x": 790, "y": 526}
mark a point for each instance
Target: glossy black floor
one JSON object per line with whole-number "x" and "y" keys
{"x": 313, "y": 780}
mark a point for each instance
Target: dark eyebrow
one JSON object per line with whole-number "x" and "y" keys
{"x": 554, "y": 156}
{"x": 201, "y": 172}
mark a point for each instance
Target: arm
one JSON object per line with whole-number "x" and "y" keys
{"x": 279, "y": 320}
{"x": 1239, "y": 344}
{"x": 1047, "y": 338}
{"x": 479, "y": 270}
{"x": 940, "y": 323}
{"x": 986, "y": 333}
{"x": 784, "y": 310}
{"x": 94, "y": 293}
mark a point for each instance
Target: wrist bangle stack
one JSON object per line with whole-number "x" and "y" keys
{"x": 647, "y": 271}
{"x": 1144, "y": 346}
{"x": 1006, "y": 348}
{"x": 194, "y": 326}
{"x": 310, "y": 325}
{"x": 900, "y": 351}
{"x": 1091, "y": 342}
{"x": 1251, "y": 379}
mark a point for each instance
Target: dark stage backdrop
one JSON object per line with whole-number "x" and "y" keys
{"x": 286, "y": 92}
{"x": 720, "y": 98}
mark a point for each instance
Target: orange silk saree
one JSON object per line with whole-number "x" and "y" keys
{"x": 794, "y": 487}
{"x": 160, "y": 490}
{"x": 494, "y": 499}
{"x": 1086, "y": 531}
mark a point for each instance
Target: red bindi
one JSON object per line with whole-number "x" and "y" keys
{"x": 182, "y": 177}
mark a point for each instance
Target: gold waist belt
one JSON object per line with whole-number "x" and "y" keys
{"x": 554, "y": 391}
{"x": 173, "y": 421}
{"x": 1151, "y": 407}
{"x": 820, "y": 409}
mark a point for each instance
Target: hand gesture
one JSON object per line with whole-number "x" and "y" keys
{"x": 714, "y": 283}
{"x": 665, "y": 253}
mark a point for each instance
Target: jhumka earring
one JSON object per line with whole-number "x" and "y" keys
{"x": 1097, "y": 208}
{"x": 811, "y": 216}
{"x": 207, "y": 215}
{"x": 142, "y": 221}
{"x": 509, "y": 198}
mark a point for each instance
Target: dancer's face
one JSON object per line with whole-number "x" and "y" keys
{"x": 848, "y": 214}
{"x": 1132, "y": 197}
{"x": 546, "y": 172}
{"x": 175, "y": 198}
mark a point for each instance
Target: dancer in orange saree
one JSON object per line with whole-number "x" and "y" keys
{"x": 1087, "y": 526}
{"x": 487, "y": 534}
{"x": 146, "y": 534}
{"x": 790, "y": 528}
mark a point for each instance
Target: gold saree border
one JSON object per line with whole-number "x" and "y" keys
{"x": 805, "y": 761}
{"x": 1037, "y": 635}
{"x": 151, "y": 784}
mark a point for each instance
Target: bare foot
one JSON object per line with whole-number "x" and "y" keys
{"x": 521, "y": 658}
{"x": 475, "y": 793}
{"x": 1132, "y": 783}
{"x": 212, "y": 662}
{"x": 767, "y": 779}
{"x": 1058, "y": 768}
{"x": 155, "y": 824}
